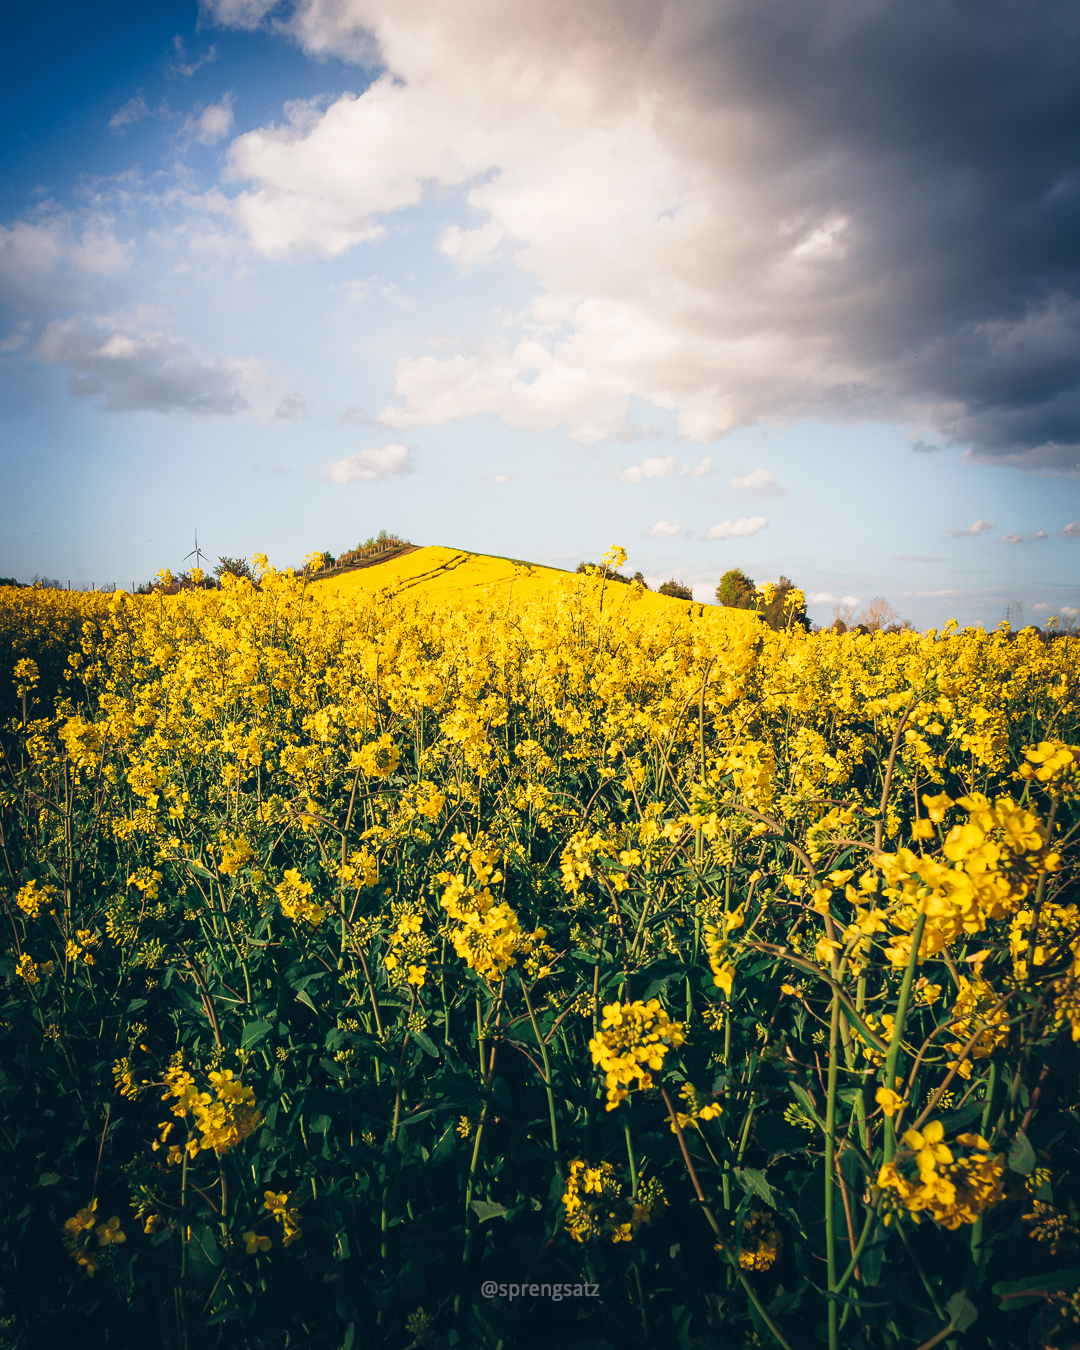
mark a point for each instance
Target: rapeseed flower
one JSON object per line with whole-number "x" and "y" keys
{"x": 633, "y": 1041}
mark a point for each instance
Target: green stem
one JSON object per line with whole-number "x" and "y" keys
{"x": 930, "y": 1290}
{"x": 830, "y": 1170}
{"x": 864, "y": 1238}
{"x": 181, "y": 1310}
{"x": 630, "y": 1154}
{"x": 733, "y": 1260}
{"x": 470, "y": 1226}
{"x": 895, "y": 1045}
{"x": 547, "y": 1079}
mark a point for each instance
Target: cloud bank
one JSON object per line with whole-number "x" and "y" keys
{"x": 739, "y": 211}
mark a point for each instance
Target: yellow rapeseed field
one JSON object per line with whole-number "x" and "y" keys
{"x": 449, "y": 574}
{"x": 378, "y": 946}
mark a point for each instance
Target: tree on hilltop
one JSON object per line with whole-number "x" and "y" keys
{"x": 233, "y": 567}
{"x": 736, "y": 590}
{"x": 783, "y": 605}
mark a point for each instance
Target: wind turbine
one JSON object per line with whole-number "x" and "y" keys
{"x": 195, "y": 553}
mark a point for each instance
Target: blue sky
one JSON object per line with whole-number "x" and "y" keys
{"x": 726, "y": 283}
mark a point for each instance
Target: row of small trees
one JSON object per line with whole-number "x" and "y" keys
{"x": 197, "y": 580}
{"x": 783, "y": 605}
{"x": 372, "y": 547}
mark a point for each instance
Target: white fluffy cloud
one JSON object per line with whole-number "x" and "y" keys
{"x": 211, "y": 124}
{"x": 737, "y": 529}
{"x": 1072, "y": 530}
{"x": 759, "y": 483}
{"x": 659, "y": 466}
{"x": 712, "y": 220}
{"x": 131, "y": 369}
{"x": 1035, "y": 537}
{"x": 663, "y": 529}
{"x": 655, "y": 467}
{"x": 979, "y": 527}
{"x": 369, "y": 465}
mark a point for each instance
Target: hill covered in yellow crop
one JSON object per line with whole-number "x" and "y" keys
{"x": 455, "y": 575}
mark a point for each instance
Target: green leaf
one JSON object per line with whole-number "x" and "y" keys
{"x": 445, "y": 1146}
{"x": 1057, "y": 1282}
{"x": 48, "y": 1178}
{"x": 304, "y": 997}
{"x": 204, "y": 1253}
{"x": 752, "y": 1180}
{"x": 962, "y": 1311}
{"x": 424, "y": 1041}
{"x": 253, "y": 1034}
{"x": 657, "y": 986}
{"x": 1021, "y": 1155}
{"x": 488, "y": 1209}
{"x": 956, "y": 1120}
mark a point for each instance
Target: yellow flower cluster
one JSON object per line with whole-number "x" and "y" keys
{"x": 377, "y": 759}
{"x": 929, "y": 1178}
{"x": 596, "y": 1205}
{"x": 486, "y": 934}
{"x": 79, "y": 947}
{"x": 32, "y": 898}
{"x": 760, "y": 1242}
{"x": 288, "y": 1216}
{"x": 700, "y": 1106}
{"x": 236, "y": 852}
{"x": 293, "y": 893}
{"x": 977, "y": 1009}
{"x": 223, "y": 1117}
{"x": 986, "y": 866}
{"x": 717, "y": 941}
{"x": 28, "y": 969}
{"x": 1055, "y": 766}
{"x": 409, "y": 950}
{"x": 634, "y": 1038}
{"x": 80, "y": 1232}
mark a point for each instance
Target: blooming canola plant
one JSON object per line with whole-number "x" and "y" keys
{"x": 449, "y": 919}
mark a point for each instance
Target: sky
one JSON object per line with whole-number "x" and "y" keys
{"x": 726, "y": 282}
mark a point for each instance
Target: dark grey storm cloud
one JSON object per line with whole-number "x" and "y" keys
{"x": 948, "y": 134}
